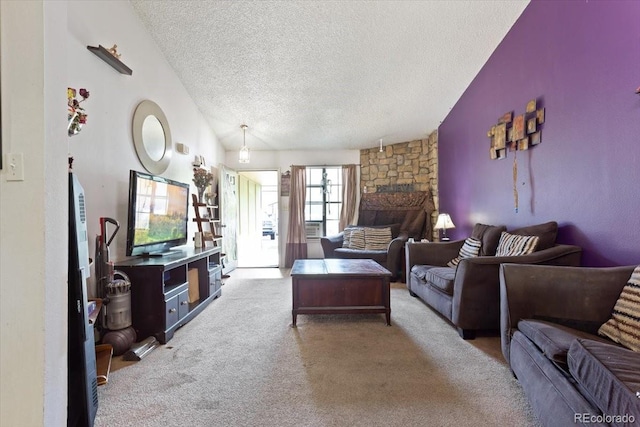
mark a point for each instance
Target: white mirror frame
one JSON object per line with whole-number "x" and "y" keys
{"x": 145, "y": 109}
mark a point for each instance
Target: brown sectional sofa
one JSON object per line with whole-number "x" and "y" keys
{"x": 469, "y": 295}
{"x": 550, "y": 316}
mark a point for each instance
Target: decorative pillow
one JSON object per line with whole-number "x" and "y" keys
{"x": 395, "y": 227}
{"x": 547, "y": 233}
{"x": 489, "y": 235}
{"x": 377, "y": 239}
{"x": 356, "y": 240}
{"x": 346, "y": 236}
{"x": 624, "y": 325}
{"x": 516, "y": 245}
{"x": 469, "y": 249}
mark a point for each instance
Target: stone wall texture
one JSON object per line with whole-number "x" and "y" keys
{"x": 405, "y": 163}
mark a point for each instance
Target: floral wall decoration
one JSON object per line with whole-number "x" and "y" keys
{"x": 76, "y": 114}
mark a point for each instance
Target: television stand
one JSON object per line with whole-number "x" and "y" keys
{"x": 153, "y": 255}
{"x": 169, "y": 291}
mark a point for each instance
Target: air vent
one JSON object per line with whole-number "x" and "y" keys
{"x": 313, "y": 230}
{"x": 94, "y": 391}
{"x": 83, "y": 217}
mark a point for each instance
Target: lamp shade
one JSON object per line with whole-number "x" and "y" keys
{"x": 444, "y": 222}
{"x": 243, "y": 155}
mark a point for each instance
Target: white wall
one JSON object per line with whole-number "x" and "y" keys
{"x": 104, "y": 151}
{"x": 33, "y": 219}
{"x": 282, "y": 160}
{"x": 43, "y": 52}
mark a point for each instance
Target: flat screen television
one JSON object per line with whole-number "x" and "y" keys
{"x": 157, "y": 214}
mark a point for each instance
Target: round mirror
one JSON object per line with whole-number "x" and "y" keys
{"x": 152, "y": 137}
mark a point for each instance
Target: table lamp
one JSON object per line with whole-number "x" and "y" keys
{"x": 444, "y": 222}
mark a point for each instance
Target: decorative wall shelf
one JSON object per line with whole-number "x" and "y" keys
{"x": 107, "y": 57}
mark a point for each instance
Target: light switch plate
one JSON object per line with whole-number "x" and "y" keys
{"x": 15, "y": 167}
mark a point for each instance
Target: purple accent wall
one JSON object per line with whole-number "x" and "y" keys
{"x": 582, "y": 61}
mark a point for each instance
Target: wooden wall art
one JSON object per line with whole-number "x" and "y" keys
{"x": 516, "y": 133}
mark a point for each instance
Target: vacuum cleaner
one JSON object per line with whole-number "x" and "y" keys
{"x": 114, "y": 287}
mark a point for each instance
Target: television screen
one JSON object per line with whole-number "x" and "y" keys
{"x": 158, "y": 214}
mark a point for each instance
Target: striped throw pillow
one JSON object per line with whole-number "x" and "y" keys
{"x": 377, "y": 239}
{"x": 624, "y": 325}
{"x": 346, "y": 236}
{"x": 470, "y": 249}
{"x": 357, "y": 239}
{"x": 516, "y": 245}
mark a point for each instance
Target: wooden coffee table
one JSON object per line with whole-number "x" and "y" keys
{"x": 344, "y": 286}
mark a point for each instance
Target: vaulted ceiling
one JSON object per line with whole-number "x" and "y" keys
{"x": 326, "y": 74}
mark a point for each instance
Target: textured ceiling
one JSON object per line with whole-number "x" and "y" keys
{"x": 326, "y": 74}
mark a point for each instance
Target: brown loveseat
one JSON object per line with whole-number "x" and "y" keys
{"x": 550, "y": 316}
{"x": 389, "y": 257}
{"x": 468, "y": 294}
{"x": 407, "y": 214}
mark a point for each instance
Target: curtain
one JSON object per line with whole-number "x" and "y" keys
{"x": 349, "y": 194}
{"x": 296, "y": 247}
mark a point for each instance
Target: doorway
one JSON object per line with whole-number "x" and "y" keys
{"x": 229, "y": 218}
{"x": 258, "y": 234}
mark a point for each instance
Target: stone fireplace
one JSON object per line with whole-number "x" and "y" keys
{"x": 402, "y": 167}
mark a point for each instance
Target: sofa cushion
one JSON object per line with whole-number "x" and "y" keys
{"x": 469, "y": 249}
{"x": 377, "y": 239}
{"x": 515, "y": 245}
{"x": 552, "y": 339}
{"x": 420, "y": 271}
{"x": 489, "y": 235}
{"x": 346, "y": 235}
{"x": 609, "y": 375}
{"x": 552, "y": 394}
{"x": 624, "y": 325}
{"x": 379, "y": 256}
{"x": 589, "y": 326}
{"x": 356, "y": 238}
{"x": 442, "y": 278}
{"x": 547, "y": 233}
{"x": 395, "y": 228}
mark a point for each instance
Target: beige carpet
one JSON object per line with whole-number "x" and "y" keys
{"x": 240, "y": 363}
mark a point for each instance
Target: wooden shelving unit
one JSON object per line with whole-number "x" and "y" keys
{"x": 107, "y": 57}
{"x": 208, "y": 221}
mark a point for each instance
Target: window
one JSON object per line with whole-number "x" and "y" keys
{"x": 324, "y": 199}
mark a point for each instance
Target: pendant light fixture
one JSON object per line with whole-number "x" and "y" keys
{"x": 243, "y": 155}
